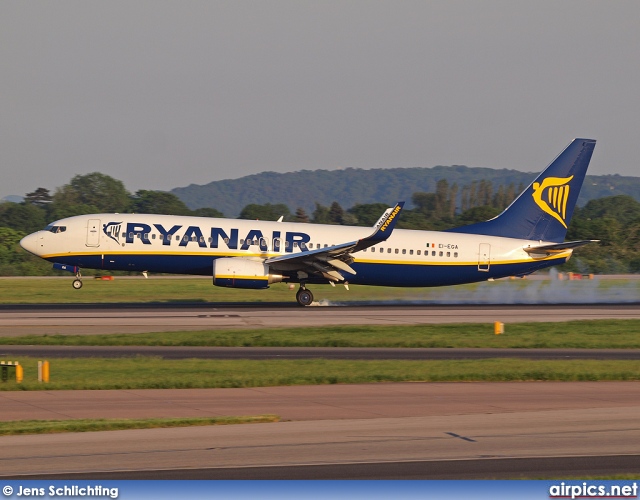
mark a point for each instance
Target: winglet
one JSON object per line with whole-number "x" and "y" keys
{"x": 383, "y": 228}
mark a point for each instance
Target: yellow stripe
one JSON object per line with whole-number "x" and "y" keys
{"x": 457, "y": 263}
{"x": 564, "y": 203}
{"x": 560, "y": 198}
{"x": 359, "y": 260}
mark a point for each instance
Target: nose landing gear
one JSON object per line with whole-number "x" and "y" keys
{"x": 77, "y": 283}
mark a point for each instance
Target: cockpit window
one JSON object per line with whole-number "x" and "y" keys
{"x": 55, "y": 229}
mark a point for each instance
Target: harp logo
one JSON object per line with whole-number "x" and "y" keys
{"x": 112, "y": 230}
{"x": 552, "y": 195}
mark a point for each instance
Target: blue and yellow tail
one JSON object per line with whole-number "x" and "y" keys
{"x": 544, "y": 209}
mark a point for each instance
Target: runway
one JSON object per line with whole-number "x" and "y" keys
{"x": 136, "y": 318}
{"x": 355, "y": 353}
{"x": 418, "y": 430}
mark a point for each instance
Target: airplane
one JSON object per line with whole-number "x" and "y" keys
{"x": 527, "y": 236}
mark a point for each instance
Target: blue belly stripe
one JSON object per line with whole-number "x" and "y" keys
{"x": 401, "y": 275}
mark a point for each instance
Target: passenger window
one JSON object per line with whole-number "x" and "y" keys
{"x": 287, "y": 244}
{"x": 177, "y": 237}
{"x": 226, "y": 240}
{"x": 241, "y": 241}
{"x": 455, "y": 254}
{"x": 448, "y": 254}
{"x": 388, "y": 250}
{"x": 404, "y": 251}
{"x": 153, "y": 236}
{"x": 418, "y": 252}
{"x": 433, "y": 254}
{"x": 440, "y": 254}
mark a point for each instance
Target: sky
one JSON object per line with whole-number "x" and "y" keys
{"x": 163, "y": 94}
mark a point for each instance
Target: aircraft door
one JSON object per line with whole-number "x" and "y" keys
{"x": 484, "y": 257}
{"x": 93, "y": 233}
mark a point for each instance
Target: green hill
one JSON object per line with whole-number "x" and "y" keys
{"x": 305, "y": 188}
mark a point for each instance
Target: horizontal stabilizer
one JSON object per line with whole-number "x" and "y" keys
{"x": 558, "y": 247}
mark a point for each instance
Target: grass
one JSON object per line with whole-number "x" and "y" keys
{"x": 169, "y": 289}
{"x": 594, "y": 334}
{"x": 155, "y": 373}
{"x": 88, "y": 425}
{"x": 134, "y": 289}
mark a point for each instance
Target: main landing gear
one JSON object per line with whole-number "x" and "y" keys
{"x": 77, "y": 283}
{"x": 304, "y": 296}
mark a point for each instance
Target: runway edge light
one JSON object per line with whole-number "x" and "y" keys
{"x": 498, "y": 327}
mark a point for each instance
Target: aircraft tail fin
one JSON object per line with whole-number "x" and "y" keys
{"x": 544, "y": 209}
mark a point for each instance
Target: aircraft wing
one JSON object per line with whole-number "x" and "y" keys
{"x": 330, "y": 261}
{"x": 558, "y": 247}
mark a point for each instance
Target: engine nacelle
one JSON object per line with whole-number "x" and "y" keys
{"x": 242, "y": 273}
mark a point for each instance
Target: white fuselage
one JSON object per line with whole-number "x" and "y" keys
{"x": 189, "y": 245}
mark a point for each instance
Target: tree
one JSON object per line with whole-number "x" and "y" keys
{"x": 22, "y": 217}
{"x": 477, "y": 214}
{"x": 367, "y": 214}
{"x": 300, "y": 215}
{"x": 425, "y": 203}
{"x": 336, "y": 213}
{"x": 441, "y": 199}
{"x": 158, "y": 202}
{"x": 40, "y": 197}
{"x": 265, "y": 212}
{"x": 453, "y": 196}
{"x": 321, "y": 215}
{"x": 207, "y": 212}
{"x": 95, "y": 191}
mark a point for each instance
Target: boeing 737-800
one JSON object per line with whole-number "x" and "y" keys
{"x": 527, "y": 236}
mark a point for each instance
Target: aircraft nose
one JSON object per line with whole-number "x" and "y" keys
{"x": 31, "y": 243}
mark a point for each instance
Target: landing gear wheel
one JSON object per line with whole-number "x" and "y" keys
{"x": 77, "y": 284}
{"x": 304, "y": 297}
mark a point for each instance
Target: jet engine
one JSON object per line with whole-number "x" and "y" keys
{"x": 243, "y": 273}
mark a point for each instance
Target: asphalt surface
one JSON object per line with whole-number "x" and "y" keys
{"x": 354, "y": 353}
{"x": 487, "y": 468}
{"x": 437, "y": 430}
{"x": 136, "y": 318}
